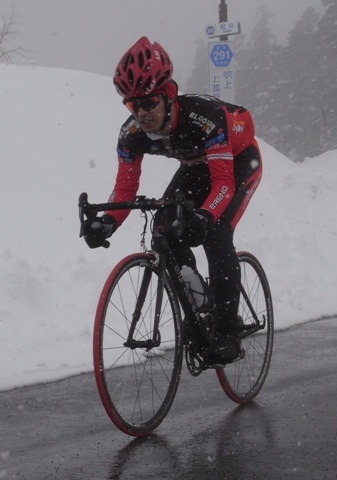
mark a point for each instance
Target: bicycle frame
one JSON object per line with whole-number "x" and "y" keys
{"x": 186, "y": 299}
{"x": 167, "y": 263}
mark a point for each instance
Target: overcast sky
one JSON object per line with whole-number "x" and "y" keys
{"x": 91, "y": 35}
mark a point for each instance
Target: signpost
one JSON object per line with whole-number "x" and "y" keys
{"x": 223, "y": 28}
{"x": 221, "y": 56}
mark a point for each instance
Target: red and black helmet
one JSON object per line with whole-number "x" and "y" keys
{"x": 145, "y": 69}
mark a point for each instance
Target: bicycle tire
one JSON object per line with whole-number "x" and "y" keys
{"x": 243, "y": 379}
{"x": 136, "y": 386}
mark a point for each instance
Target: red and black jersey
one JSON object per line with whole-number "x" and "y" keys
{"x": 206, "y": 130}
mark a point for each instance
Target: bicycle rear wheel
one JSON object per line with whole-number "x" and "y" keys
{"x": 243, "y": 379}
{"x": 137, "y": 385}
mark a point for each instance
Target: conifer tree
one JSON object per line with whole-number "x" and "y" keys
{"x": 198, "y": 80}
{"x": 298, "y": 101}
{"x": 258, "y": 76}
{"x": 326, "y": 40}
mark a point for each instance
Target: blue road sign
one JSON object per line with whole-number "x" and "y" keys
{"x": 210, "y": 30}
{"x": 221, "y": 55}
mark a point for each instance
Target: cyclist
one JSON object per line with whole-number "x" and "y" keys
{"x": 220, "y": 169}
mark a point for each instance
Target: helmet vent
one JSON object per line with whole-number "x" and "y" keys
{"x": 139, "y": 83}
{"x": 130, "y": 77}
{"x": 148, "y": 53}
{"x": 160, "y": 81}
{"x": 123, "y": 87}
{"x": 147, "y": 84}
{"x": 140, "y": 60}
{"x": 124, "y": 64}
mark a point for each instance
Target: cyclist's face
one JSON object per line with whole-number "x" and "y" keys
{"x": 151, "y": 121}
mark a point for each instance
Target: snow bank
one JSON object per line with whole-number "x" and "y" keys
{"x": 59, "y": 131}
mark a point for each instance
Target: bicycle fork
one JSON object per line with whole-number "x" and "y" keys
{"x": 136, "y": 316}
{"x": 257, "y": 325}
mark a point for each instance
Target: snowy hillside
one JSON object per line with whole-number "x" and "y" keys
{"x": 58, "y": 136}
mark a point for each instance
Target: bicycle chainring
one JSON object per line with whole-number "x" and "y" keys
{"x": 194, "y": 360}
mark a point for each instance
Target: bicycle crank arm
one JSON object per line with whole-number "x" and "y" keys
{"x": 147, "y": 344}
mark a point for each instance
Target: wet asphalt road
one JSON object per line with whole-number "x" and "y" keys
{"x": 60, "y": 430}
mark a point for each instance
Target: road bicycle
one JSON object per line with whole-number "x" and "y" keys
{"x": 147, "y": 322}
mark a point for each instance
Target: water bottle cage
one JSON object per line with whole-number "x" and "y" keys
{"x": 197, "y": 285}
{"x": 197, "y": 294}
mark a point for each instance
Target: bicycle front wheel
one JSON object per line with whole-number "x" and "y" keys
{"x": 243, "y": 379}
{"x": 137, "y": 384}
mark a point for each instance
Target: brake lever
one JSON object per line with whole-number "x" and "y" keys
{"x": 182, "y": 204}
{"x": 85, "y": 210}
{"x": 82, "y": 201}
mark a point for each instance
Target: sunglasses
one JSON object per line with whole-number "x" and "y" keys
{"x": 144, "y": 103}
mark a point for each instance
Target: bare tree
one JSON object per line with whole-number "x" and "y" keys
{"x": 9, "y": 30}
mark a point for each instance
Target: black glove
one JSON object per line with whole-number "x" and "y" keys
{"x": 98, "y": 230}
{"x": 195, "y": 231}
